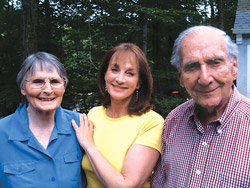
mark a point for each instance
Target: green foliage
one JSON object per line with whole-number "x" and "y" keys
{"x": 82, "y": 91}
{"x": 164, "y": 105}
{"x": 80, "y": 31}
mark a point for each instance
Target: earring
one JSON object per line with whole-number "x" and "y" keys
{"x": 136, "y": 93}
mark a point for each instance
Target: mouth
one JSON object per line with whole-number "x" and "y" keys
{"x": 118, "y": 87}
{"x": 207, "y": 91}
{"x": 46, "y": 99}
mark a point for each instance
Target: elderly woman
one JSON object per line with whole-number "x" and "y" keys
{"x": 38, "y": 146}
{"x": 124, "y": 142}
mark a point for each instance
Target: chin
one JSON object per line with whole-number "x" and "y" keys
{"x": 48, "y": 108}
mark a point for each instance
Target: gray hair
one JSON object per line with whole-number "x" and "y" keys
{"x": 232, "y": 48}
{"x": 43, "y": 61}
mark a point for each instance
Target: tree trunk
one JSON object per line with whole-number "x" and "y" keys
{"x": 220, "y": 14}
{"x": 211, "y": 3}
{"x": 156, "y": 55}
{"x": 29, "y": 25}
{"x": 144, "y": 35}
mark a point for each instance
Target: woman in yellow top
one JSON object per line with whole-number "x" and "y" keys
{"x": 122, "y": 138}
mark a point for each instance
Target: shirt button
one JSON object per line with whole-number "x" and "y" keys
{"x": 198, "y": 172}
{"x": 204, "y": 143}
{"x": 53, "y": 179}
{"x": 219, "y": 131}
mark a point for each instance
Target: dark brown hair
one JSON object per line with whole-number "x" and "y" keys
{"x": 142, "y": 104}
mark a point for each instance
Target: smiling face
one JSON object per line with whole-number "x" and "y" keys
{"x": 45, "y": 99}
{"x": 122, "y": 76}
{"x": 206, "y": 71}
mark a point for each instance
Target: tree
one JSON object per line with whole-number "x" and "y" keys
{"x": 29, "y": 27}
{"x": 79, "y": 32}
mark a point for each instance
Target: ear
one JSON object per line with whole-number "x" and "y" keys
{"x": 23, "y": 92}
{"x": 180, "y": 79}
{"x": 235, "y": 68}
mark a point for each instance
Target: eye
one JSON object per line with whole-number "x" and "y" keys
{"x": 38, "y": 81}
{"x": 54, "y": 81}
{"x": 191, "y": 66}
{"x": 214, "y": 63}
{"x": 114, "y": 69}
{"x": 130, "y": 73}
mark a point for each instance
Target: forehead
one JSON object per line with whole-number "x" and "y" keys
{"x": 203, "y": 44}
{"x": 40, "y": 71}
{"x": 124, "y": 59}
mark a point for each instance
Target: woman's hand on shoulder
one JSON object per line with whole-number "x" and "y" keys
{"x": 84, "y": 131}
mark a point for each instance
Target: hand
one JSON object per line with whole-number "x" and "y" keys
{"x": 84, "y": 131}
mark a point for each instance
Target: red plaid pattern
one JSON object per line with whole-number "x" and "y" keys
{"x": 216, "y": 157}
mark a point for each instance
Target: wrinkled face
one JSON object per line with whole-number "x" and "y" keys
{"x": 47, "y": 98}
{"x": 206, "y": 71}
{"x": 122, "y": 76}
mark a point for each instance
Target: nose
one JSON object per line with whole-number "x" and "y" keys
{"x": 47, "y": 87}
{"x": 205, "y": 77}
{"x": 120, "y": 78}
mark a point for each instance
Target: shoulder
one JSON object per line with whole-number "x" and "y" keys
{"x": 69, "y": 112}
{"x": 66, "y": 114}
{"x": 152, "y": 115}
{"x": 186, "y": 108}
{"x": 149, "y": 119}
{"x": 179, "y": 116}
{"x": 244, "y": 106}
{"x": 96, "y": 110}
{"x": 5, "y": 122}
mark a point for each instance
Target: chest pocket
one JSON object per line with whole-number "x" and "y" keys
{"x": 19, "y": 173}
{"x": 72, "y": 165}
{"x": 72, "y": 157}
{"x": 19, "y": 168}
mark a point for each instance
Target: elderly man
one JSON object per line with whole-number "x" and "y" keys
{"x": 206, "y": 141}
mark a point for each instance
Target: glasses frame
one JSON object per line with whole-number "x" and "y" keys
{"x": 44, "y": 82}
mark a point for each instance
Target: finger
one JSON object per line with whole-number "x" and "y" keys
{"x": 81, "y": 120}
{"x": 91, "y": 126}
{"x": 74, "y": 124}
{"x": 86, "y": 122}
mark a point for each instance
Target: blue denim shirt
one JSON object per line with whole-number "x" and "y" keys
{"x": 25, "y": 163}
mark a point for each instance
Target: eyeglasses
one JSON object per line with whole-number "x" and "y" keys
{"x": 40, "y": 83}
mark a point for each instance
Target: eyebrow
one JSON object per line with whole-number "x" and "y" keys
{"x": 215, "y": 59}
{"x": 116, "y": 65}
{"x": 219, "y": 58}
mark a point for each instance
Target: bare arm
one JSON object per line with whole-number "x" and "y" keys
{"x": 138, "y": 165}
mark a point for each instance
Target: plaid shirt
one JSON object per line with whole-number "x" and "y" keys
{"x": 216, "y": 157}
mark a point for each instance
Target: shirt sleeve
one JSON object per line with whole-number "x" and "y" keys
{"x": 150, "y": 133}
{"x": 159, "y": 175}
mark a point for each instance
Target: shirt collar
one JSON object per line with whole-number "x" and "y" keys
{"x": 63, "y": 124}
{"x": 19, "y": 126}
{"x": 230, "y": 108}
{"x": 231, "y": 105}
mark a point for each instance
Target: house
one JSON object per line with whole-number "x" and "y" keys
{"x": 242, "y": 31}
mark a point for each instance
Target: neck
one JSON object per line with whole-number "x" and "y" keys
{"x": 116, "y": 110}
{"x": 41, "y": 124}
{"x": 206, "y": 115}
{"x": 39, "y": 118}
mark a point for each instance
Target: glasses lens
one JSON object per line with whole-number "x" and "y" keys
{"x": 39, "y": 83}
{"x": 56, "y": 83}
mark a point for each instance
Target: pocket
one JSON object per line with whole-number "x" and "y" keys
{"x": 17, "y": 173}
{"x": 72, "y": 157}
{"x": 234, "y": 181}
{"x": 72, "y": 168}
{"x": 19, "y": 168}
